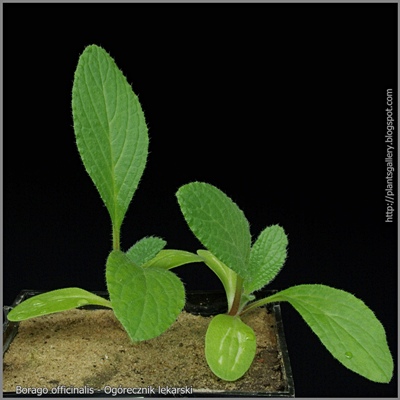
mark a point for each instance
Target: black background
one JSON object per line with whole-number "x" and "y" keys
{"x": 282, "y": 106}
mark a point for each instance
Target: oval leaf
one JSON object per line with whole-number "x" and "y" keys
{"x": 346, "y": 326}
{"x": 55, "y": 301}
{"x": 230, "y": 347}
{"x": 110, "y": 129}
{"x": 218, "y": 223}
{"x": 267, "y": 257}
{"x": 145, "y": 249}
{"x": 145, "y": 300}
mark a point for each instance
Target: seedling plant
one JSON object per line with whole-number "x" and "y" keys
{"x": 343, "y": 323}
{"x": 112, "y": 140}
{"x": 146, "y": 297}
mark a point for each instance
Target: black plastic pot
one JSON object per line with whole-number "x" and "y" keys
{"x": 197, "y": 302}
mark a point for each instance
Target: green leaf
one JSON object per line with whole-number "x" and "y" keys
{"x": 267, "y": 257}
{"x": 110, "y": 129}
{"x": 226, "y": 275}
{"x": 230, "y": 347}
{"x": 145, "y": 249}
{"x": 168, "y": 259}
{"x": 218, "y": 223}
{"x": 145, "y": 300}
{"x": 55, "y": 301}
{"x": 346, "y": 326}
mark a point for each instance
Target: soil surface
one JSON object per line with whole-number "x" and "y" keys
{"x": 89, "y": 349}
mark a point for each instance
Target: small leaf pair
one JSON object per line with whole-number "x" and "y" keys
{"x": 224, "y": 231}
{"x": 145, "y": 300}
{"x": 145, "y": 296}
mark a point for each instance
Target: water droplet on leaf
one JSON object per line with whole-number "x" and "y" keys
{"x": 348, "y": 354}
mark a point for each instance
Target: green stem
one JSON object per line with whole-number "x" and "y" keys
{"x": 259, "y": 303}
{"x": 238, "y": 296}
{"x": 116, "y": 238}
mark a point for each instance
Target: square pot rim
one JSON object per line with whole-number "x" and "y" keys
{"x": 10, "y": 330}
